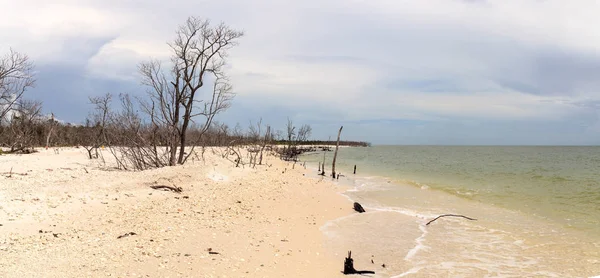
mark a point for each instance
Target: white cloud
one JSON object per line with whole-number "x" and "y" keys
{"x": 343, "y": 55}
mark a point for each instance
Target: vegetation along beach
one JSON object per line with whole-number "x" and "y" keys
{"x": 441, "y": 138}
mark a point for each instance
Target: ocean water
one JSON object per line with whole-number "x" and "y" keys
{"x": 537, "y": 210}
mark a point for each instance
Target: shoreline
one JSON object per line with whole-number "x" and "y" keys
{"x": 262, "y": 222}
{"x": 533, "y": 245}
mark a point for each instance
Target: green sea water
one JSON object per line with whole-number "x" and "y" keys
{"x": 560, "y": 183}
{"x": 538, "y": 209}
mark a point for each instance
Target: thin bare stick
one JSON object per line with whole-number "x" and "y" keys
{"x": 453, "y": 215}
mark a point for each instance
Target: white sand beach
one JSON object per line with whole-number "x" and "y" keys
{"x": 63, "y": 215}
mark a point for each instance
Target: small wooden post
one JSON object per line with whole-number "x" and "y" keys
{"x": 323, "y": 165}
{"x": 355, "y": 169}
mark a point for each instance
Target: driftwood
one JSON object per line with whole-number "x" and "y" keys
{"x": 349, "y": 266}
{"x": 453, "y": 215}
{"x": 11, "y": 173}
{"x": 167, "y": 187}
{"x": 126, "y": 235}
{"x": 337, "y": 146}
{"x": 358, "y": 207}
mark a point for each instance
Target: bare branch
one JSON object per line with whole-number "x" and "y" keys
{"x": 16, "y": 76}
{"x": 198, "y": 48}
{"x": 452, "y": 215}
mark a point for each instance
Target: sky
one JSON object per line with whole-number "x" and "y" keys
{"x": 449, "y": 72}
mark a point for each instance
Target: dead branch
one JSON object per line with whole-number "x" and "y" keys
{"x": 126, "y": 235}
{"x": 16, "y": 76}
{"x": 453, "y": 215}
{"x": 167, "y": 187}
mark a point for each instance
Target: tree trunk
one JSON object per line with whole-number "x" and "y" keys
{"x": 175, "y": 136}
{"x": 48, "y": 138}
{"x": 182, "y": 143}
{"x": 337, "y": 145}
{"x": 173, "y": 150}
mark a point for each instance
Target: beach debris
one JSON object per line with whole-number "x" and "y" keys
{"x": 11, "y": 173}
{"x": 358, "y": 207}
{"x": 451, "y": 215}
{"x": 383, "y": 265}
{"x": 48, "y": 232}
{"x": 349, "y": 266}
{"x": 211, "y": 252}
{"x": 126, "y": 235}
{"x": 176, "y": 189}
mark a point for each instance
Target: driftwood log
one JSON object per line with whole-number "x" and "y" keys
{"x": 452, "y": 215}
{"x": 358, "y": 207}
{"x": 167, "y": 187}
{"x": 349, "y": 266}
{"x": 126, "y": 235}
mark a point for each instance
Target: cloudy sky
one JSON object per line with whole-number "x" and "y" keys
{"x": 390, "y": 71}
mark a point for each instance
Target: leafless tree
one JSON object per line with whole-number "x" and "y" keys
{"x": 304, "y": 133}
{"x": 290, "y": 132}
{"x": 199, "y": 51}
{"x": 50, "y": 125}
{"x": 16, "y": 76}
{"x": 95, "y": 134}
{"x": 265, "y": 141}
{"x": 293, "y": 137}
{"x": 133, "y": 148}
{"x": 25, "y": 125}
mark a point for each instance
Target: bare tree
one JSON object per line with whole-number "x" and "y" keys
{"x": 304, "y": 133}
{"x": 198, "y": 49}
{"x": 133, "y": 148}
{"x": 25, "y": 125}
{"x": 266, "y": 140}
{"x": 290, "y": 132}
{"x": 95, "y": 134}
{"x": 16, "y": 76}
{"x": 51, "y": 125}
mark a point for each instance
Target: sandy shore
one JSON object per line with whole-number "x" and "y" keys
{"x": 61, "y": 215}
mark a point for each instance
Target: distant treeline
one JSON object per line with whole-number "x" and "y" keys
{"x": 330, "y": 143}
{"x": 40, "y": 131}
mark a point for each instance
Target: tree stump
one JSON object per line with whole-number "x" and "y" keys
{"x": 349, "y": 266}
